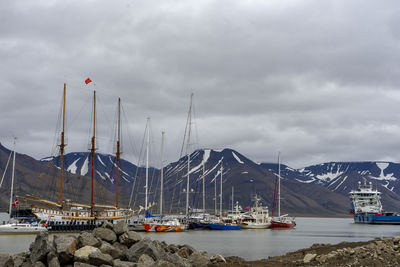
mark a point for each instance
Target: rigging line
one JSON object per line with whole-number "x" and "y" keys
{"x": 131, "y": 140}
{"x": 195, "y": 125}
{"x": 5, "y": 169}
{"x": 137, "y": 169}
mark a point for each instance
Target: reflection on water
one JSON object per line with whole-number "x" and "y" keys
{"x": 253, "y": 244}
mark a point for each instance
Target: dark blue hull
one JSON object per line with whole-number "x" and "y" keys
{"x": 372, "y": 218}
{"x": 217, "y": 226}
{"x": 200, "y": 225}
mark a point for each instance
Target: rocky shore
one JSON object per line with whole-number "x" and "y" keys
{"x": 109, "y": 245}
{"x": 115, "y": 245}
{"x": 379, "y": 252}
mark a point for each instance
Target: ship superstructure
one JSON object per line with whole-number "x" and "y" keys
{"x": 367, "y": 207}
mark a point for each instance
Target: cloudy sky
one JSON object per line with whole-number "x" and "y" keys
{"x": 317, "y": 80}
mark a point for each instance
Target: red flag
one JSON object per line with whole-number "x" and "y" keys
{"x": 15, "y": 202}
{"x": 88, "y": 80}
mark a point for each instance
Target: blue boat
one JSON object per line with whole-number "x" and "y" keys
{"x": 199, "y": 225}
{"x": 367, "y": 208}
{"x": 224, "y": 226}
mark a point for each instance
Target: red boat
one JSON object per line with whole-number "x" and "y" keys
{"x": 283, "y": 222}
{"x": 280, "y": 222}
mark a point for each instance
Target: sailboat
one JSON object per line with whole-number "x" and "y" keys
{"x": 222, "y": 224}
{"x": 17, "y": 227}
{"x": 67, "y": 215}
{"x": 282, "y": 221}
{"x": 154, "y": 225}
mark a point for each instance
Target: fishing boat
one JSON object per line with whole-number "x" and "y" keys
{"x": 71, "y": 216}
{"x": 282, "y": 221}
{"x": 257, "y": 217}
{"x": 367, "y": 207}
{"x": 223, "y": 223}
{"x": 18, "y": 227}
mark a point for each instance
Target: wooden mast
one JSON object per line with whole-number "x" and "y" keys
{"x": 62, "y": 145}
{"x": 118, "y": 147}
{"x": 92, "y": 152}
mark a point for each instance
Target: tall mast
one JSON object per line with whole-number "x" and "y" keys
{"x": 12, "y": 179}
{"x": 92, "y": 152}
{"x": 204, "y": 190}
{"x": 62, "y": 145}
{"x": 232, "y": 198}
{"x": 188, "y": 154}
{"x": 147, "y": 162}
{"x": 220, "y": 194}
{"x": 215, "y": 195}
{"x": 279, "y": 184}
{"x": 162, "y": 173}
{"x": 118, "y": 154}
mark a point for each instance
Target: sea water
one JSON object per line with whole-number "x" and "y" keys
{"x": 252, "y": 244}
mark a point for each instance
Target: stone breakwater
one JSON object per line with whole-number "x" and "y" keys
{"x": 109, "y": 245}
{"x": 382, "y": 252}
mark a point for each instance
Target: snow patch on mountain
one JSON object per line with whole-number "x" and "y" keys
{"x": 72, "y": 168}
{"x": 382, "y": 166}
{"x": 47, "y": 159}
{"x": 329, "y": 176}
{"x": 237, "y": 158}
{"x": 344, "y": 179}
{"x": 85, "y": 167}
{"x": 98, "y": 157}
{"x": 306, "y": 182}
{"x": 102, "y": 177}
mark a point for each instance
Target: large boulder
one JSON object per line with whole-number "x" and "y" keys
{"x": 183, "y": 252}
{"x": 40, "y": 247}
{"x": 199, "y": 259}
{"x": 82, "y": 264}
{"x": 108, "y": 225}
{"x": 217, "y": 259}
{"x": 52, "y": 260}
{"x": 145, "y": 261}
{"x": 82, "y": 254}
{"x": 19, "y": 259}
{"x": 105, "y": 234}
{"x": 6, "y": 260}
{"x": 129, "y": 238}
{"x": 38, "y": 264}
{"x": 88, "y": 239}
{"x": 119, "y": 263}
{"x": 120, "y": 227}
{"x": 98, "y": 258}
{"x": 65, "y": 247}
{"x": 145, "y": 246}
{"x": 163, "y": 263}
{"x": 114, "y": 252}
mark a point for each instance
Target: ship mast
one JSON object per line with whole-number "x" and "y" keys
{"x": 92, "y": 152}
{"x": 220, "y": 194}
{"x": 147, "y": 162}
{"x": 62, "y": 145}
{"x": 118, "y": 154}
{"x": 188, "y": 154}
{"x": 279, "y": 184}
{"x": 204, "y": 191}
{"x": 162, "y": 173}
{"x": 12, "y": 179}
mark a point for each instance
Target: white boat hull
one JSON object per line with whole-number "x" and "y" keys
{"x": 256, "y": 226}
{"x": 21, "y": 229}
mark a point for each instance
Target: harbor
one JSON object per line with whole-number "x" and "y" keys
{"x": 252, "y": 244}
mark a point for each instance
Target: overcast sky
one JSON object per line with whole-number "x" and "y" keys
{"x": 317, "y": 80}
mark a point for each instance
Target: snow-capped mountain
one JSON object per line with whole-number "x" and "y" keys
{"x": 319, "y": 190}
{"x": 341, "y": 177}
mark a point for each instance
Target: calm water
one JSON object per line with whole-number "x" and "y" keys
{"x": 253, "y": 244}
